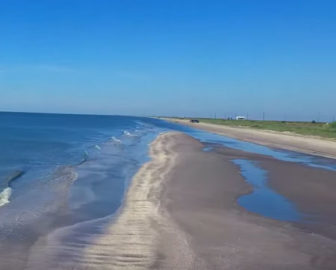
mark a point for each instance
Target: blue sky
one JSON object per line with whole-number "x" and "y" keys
{"x": 169, "y": 57}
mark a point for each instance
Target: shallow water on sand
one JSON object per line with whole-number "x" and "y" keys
{"x": 284, "y": 155}
{"x": 263, "y": 200}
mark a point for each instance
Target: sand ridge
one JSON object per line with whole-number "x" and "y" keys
{"x": 131, "y": 240}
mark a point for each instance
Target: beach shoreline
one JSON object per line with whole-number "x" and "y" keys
{"x": 181, "y": 212}
{"x": 129, "y": 239}
{"x": 282, "y": 140}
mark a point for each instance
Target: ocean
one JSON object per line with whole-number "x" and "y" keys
{"x": 89, "y": 157}
{"x": 60, "y": 170}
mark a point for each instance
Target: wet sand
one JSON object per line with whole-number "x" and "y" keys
{"x": 181, "y": 212}
{"x": 312, "y": 190}
{"x": 283, "y": 140}
{"x": 201, "y": 198}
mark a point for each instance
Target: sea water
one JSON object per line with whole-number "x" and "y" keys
{"x": 58, "y": 170}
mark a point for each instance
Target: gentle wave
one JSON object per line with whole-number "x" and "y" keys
{"x": 85, "y": 158}
{"x": 15, "y": 175}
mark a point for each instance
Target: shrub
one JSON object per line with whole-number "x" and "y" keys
{"x": 333, "y": 125}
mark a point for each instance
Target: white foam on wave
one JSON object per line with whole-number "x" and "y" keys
{"x": 97, "y": 147}
{"x": 114, "y": 139}
{"x": 127, "y": 133}
{"x": 5, "y": 195}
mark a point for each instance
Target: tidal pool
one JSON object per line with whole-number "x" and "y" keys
{"x": 263, "y": 200}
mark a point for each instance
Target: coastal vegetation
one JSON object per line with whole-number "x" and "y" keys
{"x": 313, "y": 128}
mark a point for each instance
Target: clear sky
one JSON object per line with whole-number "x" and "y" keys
{"x": 170, "y": 57}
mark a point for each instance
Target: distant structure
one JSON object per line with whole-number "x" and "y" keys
{"x": 240, "y": 117}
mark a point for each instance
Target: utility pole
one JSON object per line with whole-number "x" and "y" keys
{"x": 263, "y": 116}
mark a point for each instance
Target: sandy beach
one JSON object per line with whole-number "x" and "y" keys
{"x": 181, "y": 212}
{"x": 282, "y": 140}
{"x": 200, "y": 197}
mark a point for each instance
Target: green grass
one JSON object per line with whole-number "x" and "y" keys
{"x": 304, "y": 128}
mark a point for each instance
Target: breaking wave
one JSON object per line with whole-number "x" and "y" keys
{"x": 114, "y": 139}
{"x": 127, "y": 133}
{"x": 97, "y": 147}
{"x": 5, "y": 195}
{"x": 7, "y": 191}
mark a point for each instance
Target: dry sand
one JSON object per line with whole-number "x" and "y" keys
{"x": 282, "y": 140}
{"x": 181, "y": 213}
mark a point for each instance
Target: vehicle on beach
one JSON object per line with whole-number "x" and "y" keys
{"x": 194, "y": 121}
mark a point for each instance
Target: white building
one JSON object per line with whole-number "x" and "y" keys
{"x": 239, "y": 117}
